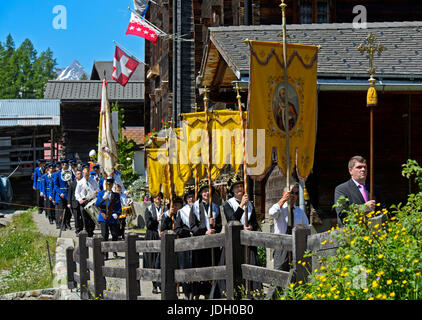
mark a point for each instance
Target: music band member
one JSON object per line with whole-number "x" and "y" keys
{"x": 38, "y": 172}
{"x": 86, "y": 190}
{"x": 61, "y": 186}
{"x": 110, "y": 210}
{"x": 47, "y": 187}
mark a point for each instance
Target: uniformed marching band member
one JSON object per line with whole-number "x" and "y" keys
{"x": 48, "y": 187}
{"x": 97, "y": 173}
{"x": 36, "y": 185}
{"x": 110, "y": 209}
{"x": 234, "y": 211}
{"x": 153, "y": 215}
{"x": 200, "y": 225}
{"x": 61, "y": 185}
{"x": 182, "y": 229}
{"x": 126, "y": 202}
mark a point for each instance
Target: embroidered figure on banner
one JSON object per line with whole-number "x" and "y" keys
{"x": 279, "y": 106}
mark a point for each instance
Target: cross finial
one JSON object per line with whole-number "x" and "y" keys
{"x": 237, "y": 88}
{"x": 206, "y": 91}
{"x": 371, "y": 48}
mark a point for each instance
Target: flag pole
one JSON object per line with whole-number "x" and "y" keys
{"x": 132, "y": 55}
{"x": 208, "y": 166}
{"x": 196, "y": 166}
{"x": 245, "y": 182}
{"x": 286, "y": 110}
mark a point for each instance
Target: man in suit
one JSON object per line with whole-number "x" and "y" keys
{"x": 73, "y": 203}
{"x": 356, "y": 190}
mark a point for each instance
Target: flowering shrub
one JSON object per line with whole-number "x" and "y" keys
{"x": 382, "y": 261}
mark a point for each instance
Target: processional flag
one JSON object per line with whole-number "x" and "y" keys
{"x": 107, "y": 149}
{"x": 140, "y": 27}
{"x": 267, "y": 96}
{"x": 123, "y": 66}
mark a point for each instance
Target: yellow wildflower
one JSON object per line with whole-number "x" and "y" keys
{"x": 404, "y": 281}
{"x": 392, "y": 294}
{"x": 380, "y": 256}
{"x": 374, "y": 284}
{"x": 371, "y": 298}
{"x": 324, "y": 242}
{"x": 389, "y": 281}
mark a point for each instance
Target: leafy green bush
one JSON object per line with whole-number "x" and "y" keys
{"x": 373, "y": 261}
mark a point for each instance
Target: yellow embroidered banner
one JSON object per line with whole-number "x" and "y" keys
{"x": 226, "y": 148}
{"x": 157, "y": 164}
{"x": 266, "y": 102}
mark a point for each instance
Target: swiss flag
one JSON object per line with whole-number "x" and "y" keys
{"x": 141, "y": 28}
{"x": 123, "y": 66}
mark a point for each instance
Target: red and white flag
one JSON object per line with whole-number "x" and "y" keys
{"x": 123, "y": 66}
{"x": 141, "y": 28}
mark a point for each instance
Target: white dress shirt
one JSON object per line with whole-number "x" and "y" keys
{"x": 280, "y": 216}
{"x": 85, "y": 189}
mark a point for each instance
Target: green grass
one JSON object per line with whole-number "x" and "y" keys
{"x": 24, "y": 263}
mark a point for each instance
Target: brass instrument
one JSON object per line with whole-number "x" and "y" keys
{"x": 66, "y": 175}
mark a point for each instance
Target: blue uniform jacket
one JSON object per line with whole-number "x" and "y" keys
{"x": 115, "y": 208}
{"x": 37, "y": 178}
{"x": 42, "y": 184}
{"x": 60, "y": 187}
{"x": 48, "y": 186}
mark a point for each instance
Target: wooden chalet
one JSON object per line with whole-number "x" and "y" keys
{"x": 80, "y": 103}
{"x": 219, "y": 56}
{"x": 26, "y": 127}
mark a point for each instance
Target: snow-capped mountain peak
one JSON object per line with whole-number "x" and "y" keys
{"x": 72, "y": 72}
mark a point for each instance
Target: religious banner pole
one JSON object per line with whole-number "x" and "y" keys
{"x": 209, "y": 152}
{"x": 286, "y": 110}
{"x": 245, "y": 182}
{"x": 208, "y": 165}
{"x": 196, "y": 167}
{"x": 169, "y": 177}
{"x": 371, "y": 101}
{"x": 242, "y": 127}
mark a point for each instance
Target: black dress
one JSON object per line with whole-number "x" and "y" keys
{"x": 151, "y": 220}
{"x": 219, "y": 286}
{"x": 203, "y": 258}
{"x": 184, "y": 258}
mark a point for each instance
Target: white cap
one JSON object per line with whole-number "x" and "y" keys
{"x": 92, "y": 153}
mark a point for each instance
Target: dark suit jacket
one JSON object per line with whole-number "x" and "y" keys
{"x": 72, "y": 200}
{"x": 349, "y": 190}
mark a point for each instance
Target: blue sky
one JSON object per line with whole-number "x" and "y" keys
{"x": 91, "y": 27}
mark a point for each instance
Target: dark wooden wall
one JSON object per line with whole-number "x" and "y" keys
{"x": 79, "y": 125}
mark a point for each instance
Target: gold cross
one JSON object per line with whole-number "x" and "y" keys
{"x": 206, "y": 91}
{"x": 237, "y": 88}
{"x": 371, "y": 48}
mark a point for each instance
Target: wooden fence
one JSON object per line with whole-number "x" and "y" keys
{"x": 235, "y": 272}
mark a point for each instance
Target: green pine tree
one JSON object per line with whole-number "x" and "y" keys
{"x": 24, "y": 73}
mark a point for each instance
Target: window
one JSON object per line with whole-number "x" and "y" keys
{"x": 314, "y": 11}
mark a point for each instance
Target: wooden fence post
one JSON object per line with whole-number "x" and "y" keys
{"x": 71, "y": 268}
{"x": 300, "y": 244}
{"x": 133, "y": 289}
{"x": 168, "y": 266}
{"x": 98, "y": 259}
{"x": 234, "y": 258}
{"x": 83, "y": 267}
